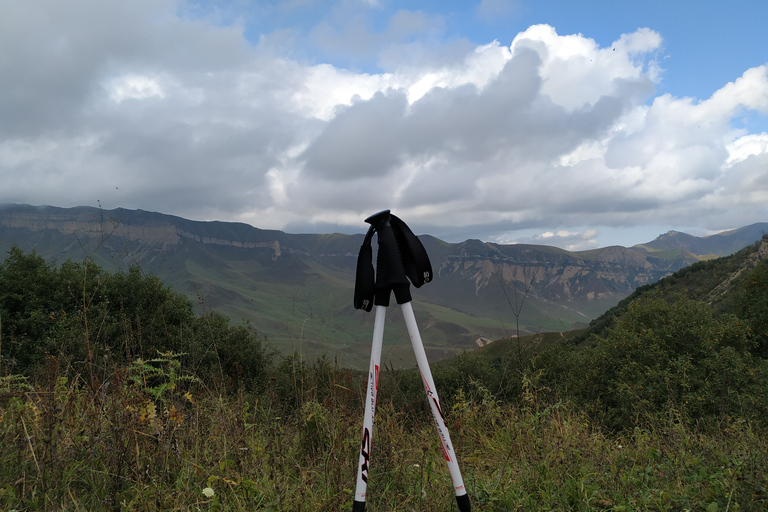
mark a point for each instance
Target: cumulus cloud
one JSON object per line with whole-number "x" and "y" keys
{"x": 144, "y": 105}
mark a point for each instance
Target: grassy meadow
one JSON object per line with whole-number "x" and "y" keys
{"x": 147, "y": 440}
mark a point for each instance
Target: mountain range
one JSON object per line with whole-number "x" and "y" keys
{"x": 296, "y": 289}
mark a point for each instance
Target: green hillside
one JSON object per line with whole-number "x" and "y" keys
{"x": 673, "y": 340}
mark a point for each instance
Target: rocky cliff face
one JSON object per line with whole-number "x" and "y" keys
{"x": 556, "y": 275}
{"x": 87, "y": 223}
{"x": 153, "y": 229}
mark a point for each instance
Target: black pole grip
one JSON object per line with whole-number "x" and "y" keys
{"x": 415, "y": 259}
{"x": 364, "y": 277}
{"x": 390, "y": 272}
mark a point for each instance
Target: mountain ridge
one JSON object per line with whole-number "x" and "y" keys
{"x": 715, "y": 245}
{"x": 297, "y": 288}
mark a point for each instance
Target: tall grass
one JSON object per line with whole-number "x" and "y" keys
{"x": 153, "y": 437}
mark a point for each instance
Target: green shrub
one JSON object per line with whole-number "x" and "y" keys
{"x": 672, "y": 359}
{"x": 751, "y": 304}
{"x": 96, "y": 320}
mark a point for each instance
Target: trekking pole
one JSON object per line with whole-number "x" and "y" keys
{"x": 370, "y": 409}
{"x": 401, "y": 257}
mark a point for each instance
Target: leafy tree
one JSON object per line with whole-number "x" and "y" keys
{"x": 145, "y": 316}
{"x": 100, "y": 319}
{"x": 30, "y": 302}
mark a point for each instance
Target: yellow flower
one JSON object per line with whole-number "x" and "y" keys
{"x": 208, "y": 492}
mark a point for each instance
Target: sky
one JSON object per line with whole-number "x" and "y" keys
{"x": 573, "y": 124}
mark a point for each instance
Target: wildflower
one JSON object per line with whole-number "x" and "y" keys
{"x": 208, "y": 492}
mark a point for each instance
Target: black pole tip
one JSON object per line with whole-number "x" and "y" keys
{"x": 358, "y": 506}
{"x": 464, "y": 504}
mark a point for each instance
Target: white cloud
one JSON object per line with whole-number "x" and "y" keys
{"x": 566, "y": 239}
{"x": 683, "y": 150}
{"x": 478, "y": 68}
{"x": 747, "y": 146}
{"x": 134, "y": 87}
{"x": 551, "y": 134}
{"x": 576, "y": 72}
{"x": 325, "y": 89}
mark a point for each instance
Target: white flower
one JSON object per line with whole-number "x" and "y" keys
{"x": 208, "y": 492}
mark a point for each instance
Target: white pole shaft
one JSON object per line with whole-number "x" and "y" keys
{"x": 370, "y": 406}
{"x": 434, "y": 401}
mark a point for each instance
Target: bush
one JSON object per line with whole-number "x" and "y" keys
{"x": 231, "y": 355}
{"x": 671, "y": 359}
{"x": 751, "y": 304}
